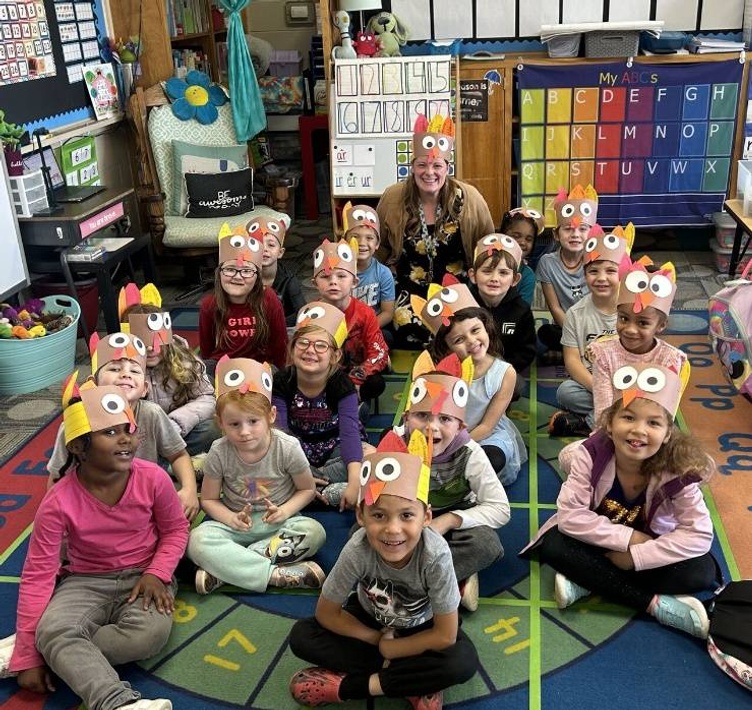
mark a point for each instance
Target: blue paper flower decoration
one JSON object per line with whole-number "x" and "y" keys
{"x": 195, "y": 97}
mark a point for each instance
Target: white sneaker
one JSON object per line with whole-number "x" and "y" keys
{"x": 6, "y": 651}
{"x": 469, "y": 591}
{"x": 206, "y": 583}
{"x": 566, "y": 592}
{"x": 144, "y": 704}
{"x": 683, "y": 612}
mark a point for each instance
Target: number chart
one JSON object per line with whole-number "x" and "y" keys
{"x": 655, "y": 140}
{"x": 375, "y": 102}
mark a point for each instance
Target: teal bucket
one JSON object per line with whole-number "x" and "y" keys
{"x": 30, "y": 365}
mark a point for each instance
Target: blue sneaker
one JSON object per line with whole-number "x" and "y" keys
{"x": 684, "y": 613}
{"x": 567, "y": 592}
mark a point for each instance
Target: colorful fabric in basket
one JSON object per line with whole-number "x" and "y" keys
{"x": 281, "y": 94}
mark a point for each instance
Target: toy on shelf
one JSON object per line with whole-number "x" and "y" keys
{"x": 391, "y": 34}
{"x": 30, "y": 321}
{"x": 365, "y": 44}
{"x": 342, "y": 23}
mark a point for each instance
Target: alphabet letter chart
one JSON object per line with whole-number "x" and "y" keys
{"x": 375, "y": 102}
{"x": 655, "y": 140}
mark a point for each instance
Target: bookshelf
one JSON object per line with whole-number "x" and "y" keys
{"x": 170, "y": 29}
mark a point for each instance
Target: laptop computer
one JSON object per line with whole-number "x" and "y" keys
{"x": 63, "y": 193}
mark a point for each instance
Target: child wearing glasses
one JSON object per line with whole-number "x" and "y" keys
{"x": 317, "y": 403}
{"x": 241, "y": 318}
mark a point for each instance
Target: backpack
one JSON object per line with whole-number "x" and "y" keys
{"x": 730, "y": 331}
{"x": 730, "y": 637}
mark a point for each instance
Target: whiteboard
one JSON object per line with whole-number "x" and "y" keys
{"x": 14, "y": 274}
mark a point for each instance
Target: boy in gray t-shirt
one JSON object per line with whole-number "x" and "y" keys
{"x": 399, "y": 634}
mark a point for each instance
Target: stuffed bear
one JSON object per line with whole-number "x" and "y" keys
{"x": 390, "y": 33}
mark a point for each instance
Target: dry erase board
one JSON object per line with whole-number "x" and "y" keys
{"x": 13, "y": 272}
{"x": 375, "y": 102}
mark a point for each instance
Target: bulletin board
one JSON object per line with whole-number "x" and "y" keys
{"x": 73, "y": 38}
{"x": 375, "y": 103}
{"x": 655, "y": 140}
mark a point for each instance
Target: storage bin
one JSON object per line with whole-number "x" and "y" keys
{"x": 30, "y": 365}
{"x": 28, "y": 193}
{"x": 722, "y": 257}
{"x": 725, "y": 229}
{"x": 88, "y": 298}
{"x": 743, "y": 177}
{"x": 564, "y": 45}
{"x": 285, "y": 62}
{"x": 612, "y": 44}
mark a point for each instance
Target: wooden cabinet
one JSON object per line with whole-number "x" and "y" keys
{"x": 157, "y": 44}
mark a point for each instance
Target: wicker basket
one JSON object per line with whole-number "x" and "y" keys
{"x": 612, "y": 44}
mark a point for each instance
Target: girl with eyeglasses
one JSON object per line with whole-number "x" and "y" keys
{"x": 317, "y": 403}
{"x": 242, "y": 318}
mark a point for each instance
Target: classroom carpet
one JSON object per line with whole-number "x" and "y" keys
{"x": 230, "y": 650}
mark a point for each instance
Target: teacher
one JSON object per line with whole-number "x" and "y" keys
{"x": 430, "y": 224}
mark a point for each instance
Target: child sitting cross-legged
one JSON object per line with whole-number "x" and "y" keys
{"x": 375, "y": 281}
{"x": 398, "y": 634}
{"x": 631, "y": 523}
{"x": 120, "y": 359}
{"x": 176, "y": 377}
{"x": 366, "y": 354}
{"x": 643, "y": 306}
{"x": 256, "y": 482}
{"x": 317, "y": 403}
{"x": 587, "y": 320}
{"x": 468, "y": 501}
{"x": 112, "y": 601}
{"x": 275, "y": 275}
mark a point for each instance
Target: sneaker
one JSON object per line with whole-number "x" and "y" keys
{"x": 144, "y": 704}
{"x": 316, "y": 686}
{"x": 469, "y": 593}
{"x": 564, "y": 423}
{"x": 682, "y": 612}
{"x": 6, "y": 651}
{"x": 301, "y": 575}
{"x": 333, "y": 493}
{"x": 566, "y": 592}
{"x": 206, "y": 583}
{"x": 198, "y": 464}
{"x": 434, "y": 701}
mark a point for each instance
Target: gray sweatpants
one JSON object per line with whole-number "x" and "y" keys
{"x": 88, "y": 627}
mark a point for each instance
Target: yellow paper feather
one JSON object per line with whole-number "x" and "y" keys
{"x": 684, "y": 376}
{"x": 423, "y": 364}
{"x": 670, "y": 270}
{"x": 468, "y": 370}
{"x": 345, "y": 211}
{"x": 69, "y": 388}
{"x": 150, "y": 295}
{"x": 224, "y": 231}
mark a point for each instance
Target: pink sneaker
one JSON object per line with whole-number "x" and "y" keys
{"x": 434, "y": 701}
{"x": 316, "y": 686}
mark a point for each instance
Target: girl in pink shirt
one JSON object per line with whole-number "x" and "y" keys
{"x": 111, "y": 601}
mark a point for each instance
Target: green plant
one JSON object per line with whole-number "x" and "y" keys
{"x": 10, "y": 133}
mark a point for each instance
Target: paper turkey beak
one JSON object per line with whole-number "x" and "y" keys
{"x": 631, "y": 395}
{"x": 131, "y": 420}
{"x": 373, "y": 491}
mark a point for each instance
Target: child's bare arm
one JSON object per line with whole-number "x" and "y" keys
{"x": 386, "y": 313}
{"x": 182, "y": 467}
{"x": 441, "y": 635}
{"x": 497, "y": 407}
{"x": 334, "y": 618}
{"x": 552, "y": 302}
{"x": 577, "y": 371}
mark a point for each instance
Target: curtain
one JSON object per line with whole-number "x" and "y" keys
{"x": 245, "y": 99}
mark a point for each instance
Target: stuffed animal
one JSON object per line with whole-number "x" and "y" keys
{"x": 390, "y": 33}
{"x": 30, "y": 320}
{"x": 365, "y": 44}
{"x": 342, "y": 23}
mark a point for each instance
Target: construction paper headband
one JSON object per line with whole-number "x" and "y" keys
{"x": 614, "y": 246}
{"x": 116, "y": 346}
{"x": 443, "y": 302}
{"x": 235, "y": 245}
{"x": 155, "y": 329}
{"x": 325, "y": 316}
{"x": 99, "y": 408}
{"x": 647, "y": 380}
{"x": 496, "y": 243}
{"x": 443, "y": 388}
{"x": 335, "y": 255}
{"x": 434, "y": 138}
{"x": 241, "y": 374}
{"x": 639, "y": 288}
{"x": 261, "y": 226}
{"x": 360, "y": 216}
{"x": 396, "y": 469}
{"x": 581, "y": 205}
{"x": 537, "y": 217}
